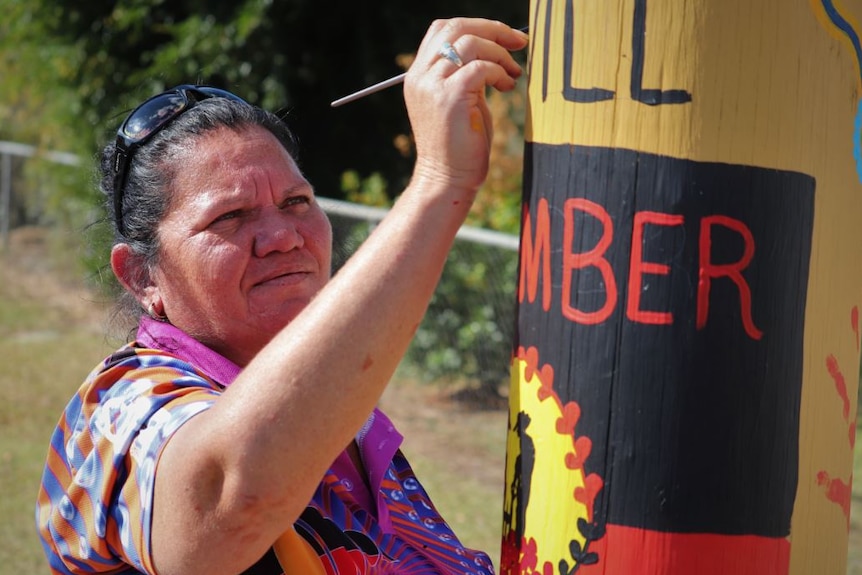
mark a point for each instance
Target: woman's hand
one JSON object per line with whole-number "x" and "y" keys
{"x": 446, "y": 103}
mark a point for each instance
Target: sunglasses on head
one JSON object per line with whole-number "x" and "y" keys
{"x": 145, "y": 122}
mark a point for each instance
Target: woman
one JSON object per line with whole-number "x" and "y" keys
{"x": 243, "y": 414}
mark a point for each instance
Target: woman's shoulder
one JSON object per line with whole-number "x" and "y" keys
{"x": 132, "y": 389}
{"x": 134, "y": 361}
{"x": 104, "y": 450}
{"x": 139, "y": 376}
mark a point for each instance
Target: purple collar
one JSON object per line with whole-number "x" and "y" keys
{"x": 164, "y": 336}
{"x": 378, "y": 439}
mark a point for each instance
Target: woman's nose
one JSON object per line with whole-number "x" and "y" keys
{"x": 277, "y": 232}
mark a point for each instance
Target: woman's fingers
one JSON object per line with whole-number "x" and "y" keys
{"x": 462, "y": 32}
{"x": 445, "y": 93}
{"x": 470, "y": 49}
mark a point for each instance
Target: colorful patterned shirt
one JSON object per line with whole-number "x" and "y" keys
{"x": 94, "y": 507}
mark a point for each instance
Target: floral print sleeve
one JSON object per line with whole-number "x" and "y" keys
{"x": 94, "y": 504}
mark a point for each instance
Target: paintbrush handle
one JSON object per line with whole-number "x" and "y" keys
{"x": 370, "y": 90}
{"x": 382, "y": 85}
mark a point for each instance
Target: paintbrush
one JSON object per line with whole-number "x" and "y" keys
{"x": 382, "y": 85}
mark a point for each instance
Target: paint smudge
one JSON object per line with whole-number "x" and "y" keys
{"x": 837, "y": 491}
{"x": 840, "y": 383}
{"x": 854, "y": 323}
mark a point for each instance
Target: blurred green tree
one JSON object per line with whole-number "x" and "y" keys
{"x": 38, "y": 109}
{"x": 71, "y": 69}
{"x": 294, "y": 56}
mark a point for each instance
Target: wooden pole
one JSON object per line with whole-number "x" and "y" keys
{"x": 684, "y": 378}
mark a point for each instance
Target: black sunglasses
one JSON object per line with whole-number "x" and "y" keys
{"x": 145, "y": 122}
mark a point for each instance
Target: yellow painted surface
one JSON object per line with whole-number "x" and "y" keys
{"x": 774, "y": 84}
{"x": 548, "y": 513}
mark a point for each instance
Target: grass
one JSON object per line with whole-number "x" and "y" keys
{"x": 35, "y": 387}
{"x": 45, "y": 351}
{"x": 51, "y": 335}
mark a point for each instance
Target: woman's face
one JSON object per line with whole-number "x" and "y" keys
{"x": 244, "y": 246}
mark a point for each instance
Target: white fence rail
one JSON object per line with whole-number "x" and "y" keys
{"x": 7, "y": 151}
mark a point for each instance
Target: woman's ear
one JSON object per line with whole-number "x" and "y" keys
{"x": 131, "y": 271}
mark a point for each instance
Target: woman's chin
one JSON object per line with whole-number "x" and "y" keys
{"x": 272, "y": 316}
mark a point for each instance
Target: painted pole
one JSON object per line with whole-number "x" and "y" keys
{"x": 684, "y": 377}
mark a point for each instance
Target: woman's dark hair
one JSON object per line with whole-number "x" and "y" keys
{"x": 146, "y": 196}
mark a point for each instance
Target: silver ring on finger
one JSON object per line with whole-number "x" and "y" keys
{"x": 448, "y": 51}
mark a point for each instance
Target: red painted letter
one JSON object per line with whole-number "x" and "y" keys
{"x": 531, "y": 251}
{"x": 708, "y": 272}
{"x": 638, "y": 267}
{"x": 593, "y": 257}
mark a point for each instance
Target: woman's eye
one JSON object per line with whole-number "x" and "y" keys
{"x": 228, "y": 216}
{"x": 296, "y": 201}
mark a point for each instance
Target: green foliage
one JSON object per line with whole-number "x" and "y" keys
{"x": 127, "y": 51}
{"x": 71, "y": 69}
{"x": 468, "y": 331}
{"x": 370, "y": 191}
{"x": 92, "y": 60}
{"x": 38, "y": 108}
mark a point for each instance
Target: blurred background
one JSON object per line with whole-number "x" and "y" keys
{"x": 70, "y": 70}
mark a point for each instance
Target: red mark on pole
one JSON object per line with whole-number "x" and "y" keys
{"x": 638, "y": 267}
{"x": 571, "y": 414}
{"x": 520, "y": 557}
{"x": 583, "y": 448}
{"x": 854, "y": 323}
{"x": 587, "y": 494}
{"x": 546, "y": 372}
{"x": 837, "y": 491}
{"x": 536, "y": 252}
{"x": 627, "y": 550}
{"x": 583, "y": 303}
{"x": 590, "y": 258}
{"x": 840, "y": 384}
{"x": 710, "y": 271}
